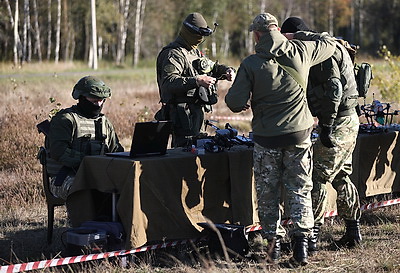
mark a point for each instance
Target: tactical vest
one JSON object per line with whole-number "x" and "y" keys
{"x": 90, "y": 138}
{"x": 350, "y": 94}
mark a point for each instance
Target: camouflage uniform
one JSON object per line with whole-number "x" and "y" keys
{"x": 178, "y": 88}
{"x": 292, "y": 165}
{"x": 76, "y": 132}
{"x": 332, "y": 96}
{"x": 334, "y": 165}
{"x": 280, "y": 110}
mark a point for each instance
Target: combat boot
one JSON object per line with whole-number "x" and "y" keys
{"x": 275, "y": 248}
{"x": 352, "y": 236}
{"x": 300, "y": 248}
{"x": 313, "y": 240}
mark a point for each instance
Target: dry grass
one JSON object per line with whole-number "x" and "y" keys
{"x": 25, "y": 102}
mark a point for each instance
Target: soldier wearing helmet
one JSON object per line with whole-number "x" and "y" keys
{"x": 78, "y": 131}
{"x": 180, "y": 81}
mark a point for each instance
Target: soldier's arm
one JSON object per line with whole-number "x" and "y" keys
{"x": 113, "y": 141}
{"x": 60, "y": 137}
{"x": 333, "y": 93}
{"x": 322, "y": 48}
{"x": 172, "y": 79}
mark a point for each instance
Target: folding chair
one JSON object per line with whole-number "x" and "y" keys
{"x": 51, "y": 200}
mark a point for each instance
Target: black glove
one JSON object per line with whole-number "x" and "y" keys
{"x": 324, "y": 136}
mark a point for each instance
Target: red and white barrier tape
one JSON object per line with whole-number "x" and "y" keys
{"x": 230, "y": 118}
{"x": 327, "y": 214}
{"x": 91, "y": 257}
{"x": 84, "y": 258}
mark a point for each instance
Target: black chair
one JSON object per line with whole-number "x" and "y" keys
{"x": 51, "y": 200}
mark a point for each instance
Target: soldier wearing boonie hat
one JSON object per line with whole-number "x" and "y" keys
{"x": 179, "y": 80}
{"x": 273, "y": 80}
{"x": 78, "y": 131}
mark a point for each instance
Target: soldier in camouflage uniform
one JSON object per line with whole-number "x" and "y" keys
{"x": 79, "y": 131}
{"x": 332, "y": 96}
{"x": 282, "y": 123}
{"x": 179, "y": 79}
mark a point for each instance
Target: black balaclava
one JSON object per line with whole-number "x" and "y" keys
{"x": 88, "y": 109}
{"x": 190, "y": 36}
{"x": 294, "y": 24}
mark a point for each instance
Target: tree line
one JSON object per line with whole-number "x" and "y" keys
{"x": 126, "y": 32}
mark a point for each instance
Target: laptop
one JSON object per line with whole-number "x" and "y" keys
{"x": 149, "y": 139}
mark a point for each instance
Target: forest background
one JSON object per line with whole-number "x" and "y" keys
{"x": 131, "y": 32}
{"x": 47, "y": 46}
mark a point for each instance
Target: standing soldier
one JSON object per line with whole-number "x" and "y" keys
{"x": 182, "y": 72}
{"x": 332, "y": 96}
{"x": 273, "y": 80}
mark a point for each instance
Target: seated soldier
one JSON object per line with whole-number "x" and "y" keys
{"x": 78, "y": 131}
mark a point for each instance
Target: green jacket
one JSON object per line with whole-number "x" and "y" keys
{"x": 73, "y": 136}
{"x": 278, "y": 102}
{"x": 176, "y": 75}
{"x": 328, "y": 98}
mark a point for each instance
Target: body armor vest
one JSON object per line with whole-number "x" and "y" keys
{"x": 90, "y": 138}
{"x": 317, "y": 91}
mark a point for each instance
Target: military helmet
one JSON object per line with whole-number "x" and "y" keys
{"x": 90, "y": 86}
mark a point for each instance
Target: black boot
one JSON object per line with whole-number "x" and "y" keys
{"x": 352, "y": 237}
{"x": 300, "y": 247}
{"x": 313, "y": 240}
{"x": 275, "y": 248}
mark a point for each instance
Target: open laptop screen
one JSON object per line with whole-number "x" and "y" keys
{"x": 150, "y": 138}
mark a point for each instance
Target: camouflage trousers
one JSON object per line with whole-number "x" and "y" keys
{"x": 289, "y": 167}
{"x": 334, "y": 165}
{"x": 63, "y": 190}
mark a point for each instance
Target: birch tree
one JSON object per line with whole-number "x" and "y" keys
{"x": 123, "y": 30}
{"x": 58, "y": 33}
{"x": 25, "y": 27}
{"x": 94, "y": 35}
{"x": 48, "y": 29}
{"x": 37, "y": 48}
{"x": 140, "y": 8}
{"x": 16, "y": 37}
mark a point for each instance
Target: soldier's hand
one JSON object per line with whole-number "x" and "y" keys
{"x": 325, "y": 136}
{"x": 206, "y": 81}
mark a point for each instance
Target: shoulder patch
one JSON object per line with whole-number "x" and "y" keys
{"x": 169, "y": 68}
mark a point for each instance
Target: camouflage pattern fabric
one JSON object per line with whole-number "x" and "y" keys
{"x": 334, "y": 165}
{"x": 61, "y": 191}
{"x": 290, "y": 167}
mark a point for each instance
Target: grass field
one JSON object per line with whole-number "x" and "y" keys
{"x": 27, "y": 97}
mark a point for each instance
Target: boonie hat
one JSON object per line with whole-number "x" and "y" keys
{"x": 90, "y": 86}
{"x": 262, "y": 22}
{"x": 196, "y": 23}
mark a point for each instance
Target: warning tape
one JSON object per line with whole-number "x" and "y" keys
{"x": 84, "y": 258}
{"x": 91, "y": 257}
{"x": 327, "y": 214}
{"x": 231, "y": 118}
